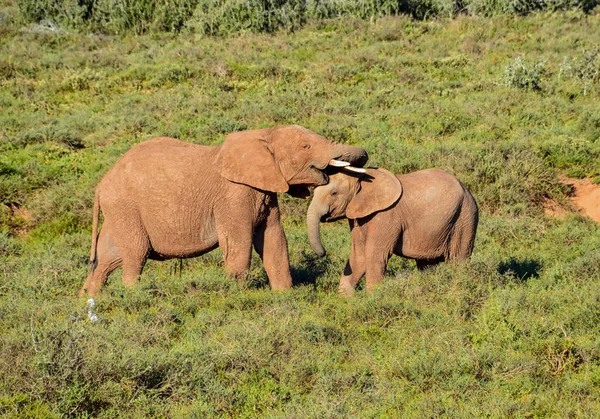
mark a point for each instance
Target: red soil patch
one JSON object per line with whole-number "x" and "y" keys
{"x": 585, "y": 196}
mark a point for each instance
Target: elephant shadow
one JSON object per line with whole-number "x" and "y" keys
{"x": 309, "y": 270}
{"x": 521, "y": 269}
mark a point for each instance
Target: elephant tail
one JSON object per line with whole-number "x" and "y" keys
{"x": 96, "y": 218}
{"x": 463, "y": 238}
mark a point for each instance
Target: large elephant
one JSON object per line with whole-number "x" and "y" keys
{"x": 169, "y": 199}
{"x": 426, "y": 215}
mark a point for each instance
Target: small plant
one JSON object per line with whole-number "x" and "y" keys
{"x": 585, "y": 69}
{"x": 520, "y": 75}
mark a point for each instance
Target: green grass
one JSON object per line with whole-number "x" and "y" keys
{"x": 514, "y": 332}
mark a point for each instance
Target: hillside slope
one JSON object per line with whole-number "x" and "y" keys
{"x": 506, "y": 103}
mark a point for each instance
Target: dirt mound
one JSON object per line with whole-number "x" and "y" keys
{"x": 585, "y": 196}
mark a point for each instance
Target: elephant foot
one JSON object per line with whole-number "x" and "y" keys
{"x": 91, "y": 287}
{"x": 281, "y": 283}
{"x": 279, "y": 287}
{"x": 242, "y": 280}
{"x": 87, "y": 292}
{"x": 346, "y": 289}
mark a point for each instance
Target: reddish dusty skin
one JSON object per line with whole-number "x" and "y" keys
{"x": 428, "y": 216}
{"x": 169, "y": 199}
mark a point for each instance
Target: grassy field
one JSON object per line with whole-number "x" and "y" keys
{"x": 508, "y": 104}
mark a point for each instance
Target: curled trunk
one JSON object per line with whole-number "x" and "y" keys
{"x": 356, "y": 156}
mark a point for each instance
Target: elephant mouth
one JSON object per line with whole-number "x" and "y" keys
{"x": 299, "y": 191}
{"x": 324, "y": 177}
{"x": 316, "y": 178}
{"x": 312, "y": 177}
{"x": 329, "y": 218}
{"x": 320, "y": 176}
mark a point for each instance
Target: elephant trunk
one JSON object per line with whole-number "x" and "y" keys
{"x": 313, "y": 218}
{"x": 356, "y": 156}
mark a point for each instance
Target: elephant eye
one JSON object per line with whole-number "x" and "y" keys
{"x": 333, "y": 193}
{"x": 306, "y": 146}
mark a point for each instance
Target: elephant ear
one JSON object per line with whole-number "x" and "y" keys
{"x": 246, "y": 157}
{"x": 379, "y": 189}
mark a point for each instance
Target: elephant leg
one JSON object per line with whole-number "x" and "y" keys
{"x": 381, "y": 238}
{"x": 376, "y": 268}
{"x": 271, "y": 245}
{"x": 377, "y": 255}
{"x": 356, "y": 265}
{"x": 133, "y": 264}
{"x": 236, "y": 244}
{"x": 133, "y": 243}
{"x": 107, "y": 260}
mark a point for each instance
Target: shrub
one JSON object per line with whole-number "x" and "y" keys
{"x": 219, "y": 17}
{"x": 112, "y": 16}
{"x": 368, "y": 9}
{"x": 576, "y": 156}
{"x": 227, "y": 16}
{"x": 585, "y": 70}
{"x": 69, "y": 12}
{"x": 589, "y": 124}
{"x": 371, "y": 9}
{"x": 520, "y": 75}
{"x": 524, "y": 7}
{"x": 139, "y": 16}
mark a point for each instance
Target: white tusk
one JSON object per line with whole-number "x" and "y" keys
{"x": 354, "y": 169}
{"x": 338, "y": 163}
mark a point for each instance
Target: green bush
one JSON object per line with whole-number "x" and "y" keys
{"x": 112, "y": 16}
{"x": 521, "y": 75}
{"x": 139, "y": 16}
{"x": 68, "y": 12}
{"x": 366, "y": 9}
{"x": 218, "y": 17}
{"x": 585, "y": 70}
{"x": 524, "y": 7}
{"x": 228, "y": 16}
{"x": 504, "y": 177}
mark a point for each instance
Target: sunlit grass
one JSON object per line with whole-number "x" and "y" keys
{"x": 514, "y": 332}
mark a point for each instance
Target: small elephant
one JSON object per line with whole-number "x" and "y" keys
{"x": 169, "y": 199}
{"x": 427, "y": 215}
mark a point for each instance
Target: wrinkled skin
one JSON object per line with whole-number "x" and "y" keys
{"x": 169, "y": 199}
{"x": 427, "y": 215}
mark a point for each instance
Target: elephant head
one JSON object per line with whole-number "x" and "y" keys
{"x": 350, "y": 195}
{"x": 283, "y": 159}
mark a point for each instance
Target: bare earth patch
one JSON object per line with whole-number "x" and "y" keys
{"x": 552, "y": 209}
{"x": 585, "y": 196}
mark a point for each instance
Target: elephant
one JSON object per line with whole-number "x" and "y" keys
{"x": 166, "y": 198}
{"x": 426, "y": 215}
